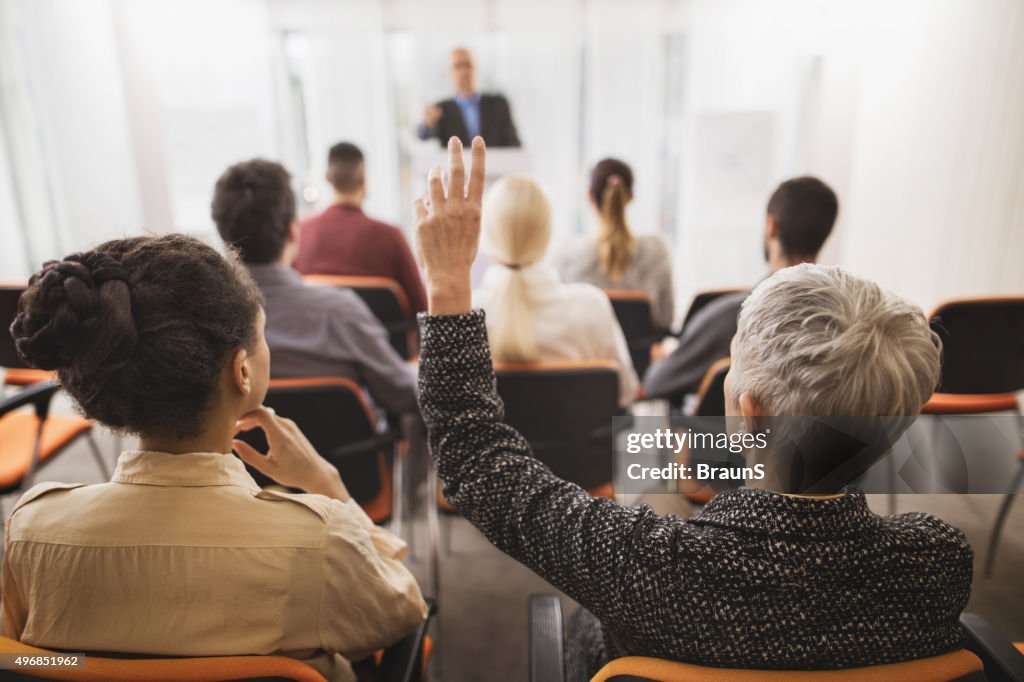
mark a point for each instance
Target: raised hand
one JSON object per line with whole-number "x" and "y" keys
{"x": 448, "y": 229}
{"x": 431, "y": 116}
{"x": 291, "y": 460}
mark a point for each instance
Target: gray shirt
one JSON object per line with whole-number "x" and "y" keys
{"x": 650, "y": 271}
{"x": 324, "y": 331}
{"x": 705, "y": 340}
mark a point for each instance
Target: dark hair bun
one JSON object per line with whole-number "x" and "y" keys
{"x": 76, "y": 315}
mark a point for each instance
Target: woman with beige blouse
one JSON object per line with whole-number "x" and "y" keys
{"x": 181, "y": 553}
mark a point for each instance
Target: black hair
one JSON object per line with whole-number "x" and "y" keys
{"x": 253, "y": 207}
{"x": 139, "y": 330}
{"x": 345, "y": 167}
{"x": 805, "y": 210}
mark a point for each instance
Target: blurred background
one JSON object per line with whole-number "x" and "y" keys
{"x": 117, "y": 116}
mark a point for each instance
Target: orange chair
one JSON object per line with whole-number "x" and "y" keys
{"x": 27, "y": 440}
{"x": 546, "y": 656}
{"x": 702, "y": 299}
{"x": 710, "y": 404}
{"x": 335, "y": 417}
{"x": 634, "y": 311}
{"x": 961, "y": 666}
{"x": 18, "y": 373}
{"x": 565, "y": 411}
{"x": 403, "y": 661}
{"x": 206, "y": 669}
{"x": 387, "y": 300}
{"x": 982, "y": 371}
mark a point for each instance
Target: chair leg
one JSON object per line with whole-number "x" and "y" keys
{"x": 449, "y": 531}
{"x": 398, "y": 491}
{"x": 434, "y": 558}
{"x": 30, "y": 475}
{"x": 97, "y": 455}
{"x": 1004, "y": 511}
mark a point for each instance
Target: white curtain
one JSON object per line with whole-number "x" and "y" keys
{"x": 118, "y": 116}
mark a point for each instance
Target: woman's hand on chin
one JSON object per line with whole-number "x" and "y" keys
{"x": 448, "y": 229}
{"x": 291, "y": 460}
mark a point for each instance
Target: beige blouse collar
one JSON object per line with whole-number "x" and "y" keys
{"x": 195, "y": 469}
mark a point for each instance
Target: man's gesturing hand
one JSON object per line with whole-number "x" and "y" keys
{"x": 448, "y": 230}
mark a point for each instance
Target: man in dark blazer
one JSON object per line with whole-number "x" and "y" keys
{"x": 469, "y": 113}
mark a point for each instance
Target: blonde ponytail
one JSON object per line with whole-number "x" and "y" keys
{"x": 516, "y": 232}
{"x": 615, "y": 243}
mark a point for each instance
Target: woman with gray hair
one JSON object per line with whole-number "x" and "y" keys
{"x": 789, "y": 577}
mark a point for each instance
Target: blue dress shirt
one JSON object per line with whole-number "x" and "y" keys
{"x": 469, "y": 107}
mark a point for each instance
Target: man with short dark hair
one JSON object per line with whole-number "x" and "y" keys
{"x": 311, "y": 330}
{"x": 342, "y": 240}
{"x": 799, "y": 218}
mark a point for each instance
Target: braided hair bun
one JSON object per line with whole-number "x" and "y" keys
{"x": 139, "y": 330}
{"x": 77, "y": 315}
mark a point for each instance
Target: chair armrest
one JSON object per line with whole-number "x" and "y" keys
{"x": 407, "y": 325}
{"x": 1002, "y": 660}
{"x": 362, "y": 447}
{"x": 37, "y": 395}
{"x": 403, "y": 660}
{"x": 546, "y": 639}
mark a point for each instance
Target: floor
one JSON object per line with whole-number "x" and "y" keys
{"x": 481, "y": 630}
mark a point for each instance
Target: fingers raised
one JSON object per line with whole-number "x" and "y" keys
{"x": 435, "y": 188}
{"x": 456, "y": 171}
{"x": 420, "y": 207}
{"x": 478, "y": 171}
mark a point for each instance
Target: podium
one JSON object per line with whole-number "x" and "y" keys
{"x": 501, "y": 161}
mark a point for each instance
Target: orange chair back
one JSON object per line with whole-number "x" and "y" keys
{"x": 565, "y": 410}
{"x": 703, "y": 298}
{"x": 332, "y": 413}
{"x": 962, "y": 666}
{"x": 982, "y": 358}
{"x": 9, "y": 295}
{"x": 635, "y": 313}
{"x": 387, "y": 300}
{"x": 206, "y": 669}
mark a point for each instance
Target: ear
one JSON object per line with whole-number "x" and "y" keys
{"x": 293, "y": 231}
{"x": 771, "y": 229}
{"x": 241, "y": 375}
{"x": 751, "y": 410}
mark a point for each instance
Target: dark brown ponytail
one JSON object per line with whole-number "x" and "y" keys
{"x": 611, "y": 188}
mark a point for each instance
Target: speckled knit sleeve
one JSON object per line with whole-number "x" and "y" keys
{"x": 755, "y": 580}
{"x": 581, "y": 544}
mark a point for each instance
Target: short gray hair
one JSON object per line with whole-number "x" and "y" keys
{"x": 815, "y": 340}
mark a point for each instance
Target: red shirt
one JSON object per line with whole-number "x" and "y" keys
{"x": 344, "y": 241}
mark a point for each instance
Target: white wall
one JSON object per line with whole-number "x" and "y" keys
{"x": 935, "y": 205}
{"x": 121, "y": 115}
{"x": 63, "y": 108}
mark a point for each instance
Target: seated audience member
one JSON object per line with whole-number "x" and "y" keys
{"x": 783, "y": 574}
{"x": 342, "y": 240}
{"x": 311, "y": 330}
{"x": 181, "y": 553}
{"x": 614, "y": 258}
{"x": 800, "y": 216}
{"x": 532, "y": 316}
